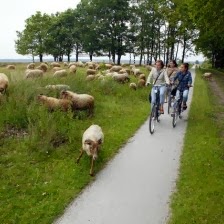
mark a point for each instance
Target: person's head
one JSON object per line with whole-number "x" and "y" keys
{"x": 173, "y": 64}
{"x": 184, "y": 67}
{"x": 159, "y": 64}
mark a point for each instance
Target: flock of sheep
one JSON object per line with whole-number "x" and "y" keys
{"x": 93, "y": 137}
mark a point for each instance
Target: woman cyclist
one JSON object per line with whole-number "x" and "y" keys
{"x": 158, "y": 76}
{"x": 184, "y": 79}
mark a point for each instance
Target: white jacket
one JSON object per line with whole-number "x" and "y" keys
{"x": 162, "y": 79}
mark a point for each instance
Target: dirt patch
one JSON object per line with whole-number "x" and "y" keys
{"x": 217, "y": 91}
{"x": 13, "y": 132}
{"x": 57, "y": 141}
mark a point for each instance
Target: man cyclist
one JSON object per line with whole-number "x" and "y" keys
{"x": 184, "y": 79}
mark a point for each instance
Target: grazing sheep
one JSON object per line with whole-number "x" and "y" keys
{"x": 65, "y": 64}
{"x": 92, "y": 139}
{"x": 80, "y": 64}
{"x": 149, "y": 67}
{"x": 72, "y": 63}
{"x": 116, "y": 68}
{"x": 4, "y": 82}
{"x": 122, "y": 78}
{"x": 135, "y": 71}
{"x": 91, "y": 72}
{"x": 35, "y": 73}
{"x": 142, "y": 76}
{"x": 141, "y": 83}
{"x": 30, "y": 66}
{"x": 58, "y": 87}
{"x": 43, "y": 67}
{"x": 80, "y": 101}
{"x": 11, "y": 67}
{"x": 56, "y": 69}
{"x": 55, "y": 64}
{"x": 60, "y": 73}
{"x": 90, "y": 77}
{"x": 207, "y": 76}
{"x": 122, "y": 71}
{"x": 133, "y": 86}
{"x": 72, "y": 69}
{"x": 108, "y": 66}
{"x": 53, "y": 103}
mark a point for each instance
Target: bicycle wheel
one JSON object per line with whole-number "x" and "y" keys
{"x": 169, "y": 104}
{"x": 175, "y": 116}
{"x": 152, "y": 120}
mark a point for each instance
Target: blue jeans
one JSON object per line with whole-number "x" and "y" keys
{"x": 162, "y": 90}
{"x": 185, "y": 95}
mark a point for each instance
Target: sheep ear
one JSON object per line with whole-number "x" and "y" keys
{"x": 100, "y": 141}
{"x": 88, "y": 142}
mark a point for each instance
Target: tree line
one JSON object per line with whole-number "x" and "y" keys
{"x": 150, "y": 29}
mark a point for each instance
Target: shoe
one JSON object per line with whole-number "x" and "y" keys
{"x": 161, "y": 110}
{"x": 172, "y": 114}
{"x": 184, "y": 106}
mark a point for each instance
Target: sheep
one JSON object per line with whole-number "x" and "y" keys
{"x": 72, "y": 63}
{"x": 58, "y": 87}
{"x": 108, "y": 66}
{"x": 207, "y": 76}
{"x": 53, "y": 103}
{"x": 122, "y": 71}
{"x": 142, "y": 76}
{"x": 55, "y": 64}
{"x": 80, "y": 101}
{"x": 90, "y": 77}
{"x": 133, "y": 86}
{"x": 4, "y": 82}
{"x": 91, "y": 72}
{"x": 11, "y": 67}
{"x": 80, "y": 64}
{"x": 43, "y": 67}
{"x": 122, "y": 78}
{"x": 116, "y": 68}
{"x": 30, "y": 66}
{"x": 72, "y": 69}
{"x": 35, "y": 73}
{"x": 135, "y": 71}
{"x": 65, "y": 64}
{"x": 92, "y": 139}
{"x": 60, "y": 73}
{"x": 141, "y": 83}
{"x": 56, "y": 69}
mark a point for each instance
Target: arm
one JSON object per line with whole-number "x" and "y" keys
{"x": 190, "y": 79}
{"x": 166, "y": 77}
{"x": 149, "y": 79}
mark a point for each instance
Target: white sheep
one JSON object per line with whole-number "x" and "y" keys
{"x": 72, "y": 69}
{"x": 133, "y": 86}
{"x": 92, "y": 140}
{"x": 4, "y": 82}
{"x": 135, "y": 71}
{"x": 207, "y": 76}
{"x": 30, "y": 66}
{"x": 11, "y": 67}
{"x": 35, "y": 73}
{"x": 53, "y": 103}
{"x": 122, "y": 78}
{"x": 91, "y": 72}
{"x": 141, "y": 83}
{"x": 80, "y": 101}
{"x": 55, "y": 64}
{"x": 116, "y": 68}
{"x": 60, "y": 73}
{"x": 90, "y": 77}
{"x": 58, "y": 87}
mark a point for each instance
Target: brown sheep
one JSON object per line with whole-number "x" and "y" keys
{"x": 35, "y": 73}
{"x": 72, "y": 69}
{"x": 141, "y": 83}
{"x": 80, "y": 101}
{"x": 122, "y": 78}
{"x": 55, "y": 64}
{"x": 53, "y": 103}
{"x": 30, "y": 66}
{"x": 90, "y": 77}
{"x": 91, "y": 72}
{"x": 60, "y": 73}
{"x": 11, "y": 67}
{"x": 133, "y": 86}
{"x": 142, "y": 76}
{"x": 116, "y": 68}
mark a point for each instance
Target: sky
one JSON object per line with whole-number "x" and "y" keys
{"x": 14, "y": 13}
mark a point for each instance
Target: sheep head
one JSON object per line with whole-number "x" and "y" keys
{"x": 93, "y": 147}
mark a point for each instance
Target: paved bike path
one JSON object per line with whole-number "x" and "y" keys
{"x": 136, "y": 185}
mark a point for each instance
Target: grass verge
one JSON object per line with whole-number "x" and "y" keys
{"x": 38, "y": 149}
{"x": 199, "y": 197}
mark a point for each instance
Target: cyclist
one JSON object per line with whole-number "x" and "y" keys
{"x": 158, "y": 76}
{"x": 172, "y": 70}
{"x": 184, "y": 79}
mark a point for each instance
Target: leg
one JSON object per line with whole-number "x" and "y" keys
{"x": 81, "y": 153}
{"x": 162, "y": 98}
{"x": 177, "y": 97}
{"x": 153, "y": 96}
{"x": 91, "y": 169}
{"x": 185, "y": 96}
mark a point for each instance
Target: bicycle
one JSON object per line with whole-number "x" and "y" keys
{"x": 155, "y": 111}
{"x": 170, "y": 98}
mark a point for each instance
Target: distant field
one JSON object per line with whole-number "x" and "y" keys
{"x": 38, "y": 149}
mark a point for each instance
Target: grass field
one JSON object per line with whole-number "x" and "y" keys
{"x": 38, "y": 149}
{"x": 199, "y": 197}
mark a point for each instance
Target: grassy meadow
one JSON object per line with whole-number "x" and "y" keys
{"x": 39, "y": 176}
{"x": 199, "y": 197}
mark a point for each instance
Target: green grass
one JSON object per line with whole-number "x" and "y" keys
{"x": 199, "y": 197}
{"x": 39, "y": 176}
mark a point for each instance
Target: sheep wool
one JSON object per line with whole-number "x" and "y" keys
{"x": 4, "y": 82}
{"x": 133, "y": 86}
{"x": 35, "y": 73}
{"x": 60, "y": 73}
{"x": 11, "y": 67}
{"x": 30, "y": 66}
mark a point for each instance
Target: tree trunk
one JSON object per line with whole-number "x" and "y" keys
{"x": 41, "y": 57}
{"x": 90, "y": 56}
{"x": 184, "y": 49}
{"x": 68, "y": 55}
{"x": 178, "y": 43}
{"x": 141, "y": 56}
{"x": 77, "y": 53}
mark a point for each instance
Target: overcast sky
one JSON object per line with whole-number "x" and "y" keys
{"x": 13, "y": 14}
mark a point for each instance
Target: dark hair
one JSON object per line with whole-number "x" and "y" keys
{"x": 174, "y": 62}
{"x": 161, "y": 63}
{"x": 186, "y": 65}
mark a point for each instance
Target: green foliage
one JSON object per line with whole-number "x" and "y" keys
{"x": 38, "y": 149}
{"x": 199, "y": 196}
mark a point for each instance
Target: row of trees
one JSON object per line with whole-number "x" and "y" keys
{"x": 151, "y": 29}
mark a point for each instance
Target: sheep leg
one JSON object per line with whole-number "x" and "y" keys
{"x": 81, "y": 153}
{"x": 91, "y": 169}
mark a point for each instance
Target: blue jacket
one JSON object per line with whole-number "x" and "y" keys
{"x": 184, "y": 80}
